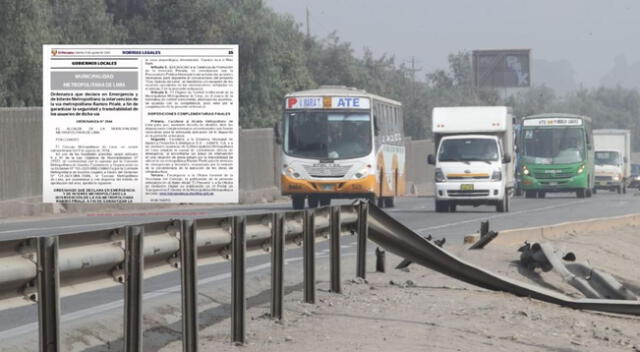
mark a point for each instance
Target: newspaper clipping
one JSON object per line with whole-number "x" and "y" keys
{"x": 140, "y": 124}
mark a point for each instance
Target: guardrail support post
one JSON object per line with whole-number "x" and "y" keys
{"x": 133, "y": 288}
{"x": 363, "y": 234}
{"x": 48, "y": 294}
{"x": 484, "y": 228}
{"x": 380, "y": 260}
{"x": 336, "y": 285}
{"x": 277, "y": 265}
{"x": 238, "y": 298}
{"x": 309, "y": 240}
{"x": 189, "y": 278}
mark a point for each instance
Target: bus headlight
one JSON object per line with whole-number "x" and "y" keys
{"x": 525, "y": 170}
{"x": 439, "y": 175}
{"x": 364, "y": 172}
{"x": 581, "y": 169}
{"x": 496, "y": 175}
{"x": 289, "y": 171}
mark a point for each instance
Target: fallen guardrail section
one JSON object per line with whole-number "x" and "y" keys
{"x": 398, "y": 239}
{"x": 42, "y": 269}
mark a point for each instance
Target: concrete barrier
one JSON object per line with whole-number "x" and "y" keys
{"x": 260, "y": 167}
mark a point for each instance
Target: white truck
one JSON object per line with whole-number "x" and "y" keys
{"x": 612, "y": 159}
{"x": 473, "y": 160}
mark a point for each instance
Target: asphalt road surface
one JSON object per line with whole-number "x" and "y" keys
{"x": 417, "y": 213}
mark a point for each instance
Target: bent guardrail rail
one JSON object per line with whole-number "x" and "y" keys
{"x": 398, "y": 239}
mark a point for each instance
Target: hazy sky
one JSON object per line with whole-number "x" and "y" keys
{"x": 587, "y": 33}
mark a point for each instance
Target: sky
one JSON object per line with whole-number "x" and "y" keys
{"x": 587, "y": 34}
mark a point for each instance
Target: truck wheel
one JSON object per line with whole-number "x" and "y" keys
{"x": 313, "y": 202}
{"x": 441, "y": 206}
{"x": 542, "y": 194}
{"x": 452, "y": 207}
{"x": 389, "y": 202}
{"x": 530, "y": 194}
{"x": 503, "y": 205}
{"x": 507, "y": 202}
{"x": 297, "y": 202}
{"x": 589, "y": 192}
{"x": 580, "y": 193}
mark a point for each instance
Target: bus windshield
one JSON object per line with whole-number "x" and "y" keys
{"x": 607, "y": 158}
{"x": 558, "y": 145}
{"x": 327, "y": 135}
{"x": 468, "y": 149}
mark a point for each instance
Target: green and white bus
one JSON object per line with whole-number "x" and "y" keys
{"x": 556, "y": 155}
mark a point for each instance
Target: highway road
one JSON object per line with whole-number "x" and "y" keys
{"x": 417, "y": 213}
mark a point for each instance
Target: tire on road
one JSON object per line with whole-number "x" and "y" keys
{"x": 442, "y": 206}
{"x": 297, "y": 202}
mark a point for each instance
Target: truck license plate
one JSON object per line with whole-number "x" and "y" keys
{"x": 553, "y": 183}
{"x": 327, "y": 187}
{"x": 468, "y": 187}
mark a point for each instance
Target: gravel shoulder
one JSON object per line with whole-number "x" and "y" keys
{"x": 420, "y": 309}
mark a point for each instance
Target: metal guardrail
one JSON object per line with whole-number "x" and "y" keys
{"x": 43, "y": 269}
{"x": 128, "y": 255}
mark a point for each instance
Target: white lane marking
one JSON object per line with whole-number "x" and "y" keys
{"x": 62, "y": 227}
{"x": 495, "y": 216}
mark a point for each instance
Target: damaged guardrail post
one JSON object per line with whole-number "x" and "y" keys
{"x": 335, "y": 250}
{"x": 380, "y": 260}
{"x": 189, "y": 278}
{"x": 133, "y": 273}
{"x": 484, "y": 228}
{"x": 363, "y": 234}
{"x": 238, "y": 295}
{"x": 309, "y": 240}
{"x": 48, "y": 294}
{"x": 277, "y": 265}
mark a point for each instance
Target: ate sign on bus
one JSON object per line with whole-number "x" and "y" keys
{"x": 328, "y": 103}
{"x": 553, "y": 122}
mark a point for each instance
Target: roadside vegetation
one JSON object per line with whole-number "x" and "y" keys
{"x": 275, "y": 57}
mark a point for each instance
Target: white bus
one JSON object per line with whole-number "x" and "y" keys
{"x": 340, "y": 142}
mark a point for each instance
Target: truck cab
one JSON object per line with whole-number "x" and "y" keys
{"x": 609, "y": 171}
{"x": 473, "y": 163}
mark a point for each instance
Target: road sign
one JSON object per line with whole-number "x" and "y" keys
{"x": 502, "y": 68}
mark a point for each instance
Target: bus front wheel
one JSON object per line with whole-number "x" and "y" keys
{"x": 581, "y": 193}
{"x": 442, "y": 206}
{"x": 297, "y": 202}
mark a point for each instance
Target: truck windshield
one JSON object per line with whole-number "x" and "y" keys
{"x": 558, "y": 145}
{"x": 607, "y": 158}
{"x": 327, "y": 135}
{"x": 468, "y": 149}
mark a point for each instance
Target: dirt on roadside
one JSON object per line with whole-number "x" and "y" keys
{"x": 421, "y": 310}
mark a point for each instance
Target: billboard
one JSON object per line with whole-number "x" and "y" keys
{"x": 502, "y": 68}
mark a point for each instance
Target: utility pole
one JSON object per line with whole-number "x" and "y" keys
{"x": 308, "y": 31}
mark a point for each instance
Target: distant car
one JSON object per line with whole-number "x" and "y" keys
{"x": 635, "y": 176}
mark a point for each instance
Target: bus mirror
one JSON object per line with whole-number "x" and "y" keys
{"x": 276, "y": 133}
{"x": 431, "y": 159}
{"x": 506, "y": 159}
